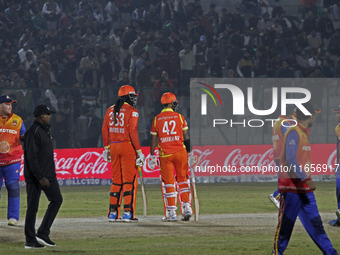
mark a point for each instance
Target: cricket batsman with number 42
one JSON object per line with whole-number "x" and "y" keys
{"x": 171, "y": 130}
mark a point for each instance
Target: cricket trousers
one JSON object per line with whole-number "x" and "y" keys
{"x": 276, "y": 193}
{"x": 11, "y": 175}
{"x": 337, "y": 174}
{"x": 179, "y": 161}
{"x": 124, "y": 181}
{"x": 304, "y": 206}
{"x": 53, "y": 195}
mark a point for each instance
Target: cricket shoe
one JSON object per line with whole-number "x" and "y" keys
{"x": 169, "y": 219}
{"x": 171, "y": 216}
{"x": 274, "y": 201}
{"x": 45, "y": 240}
{"x": 338, "y": 214}
{"x": 334, "y": 223}
{"x": 113, "y": 216}
{"x": 187, "y": 212}
{"x": 12, "y": 222}
{"x": 127, "y": 217}
{"x": 34, "y": 246}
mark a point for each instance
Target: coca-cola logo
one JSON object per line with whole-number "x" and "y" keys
{"x": 236, "y": 158}
{"x": 202, "y": 157}
{"x": 88, "y": 163}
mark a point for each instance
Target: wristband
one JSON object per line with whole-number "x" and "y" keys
{"x": 187, "y": 145}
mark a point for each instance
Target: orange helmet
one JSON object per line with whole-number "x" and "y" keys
{"x": 168, "y": 98}
{"x": 126, "y": 90}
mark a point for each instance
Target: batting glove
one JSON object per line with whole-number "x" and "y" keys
{"x": 106, "y": 154}
{"x": 140, "y": 158}
{"x": 152, "y": 162}
{"x": 191, "y": 159}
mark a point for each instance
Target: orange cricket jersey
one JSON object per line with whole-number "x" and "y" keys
{"x": 169, "y": 126}
{"x": 125, "y": 127}
{"x": 337, "y": 133}
{"x": 11, "y": 128}
{"x": 303, "y": 157}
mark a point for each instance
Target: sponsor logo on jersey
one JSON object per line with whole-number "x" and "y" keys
{"x": 135, "y": 114}
{"x": 11, "y": 131}
{"x": 292, "y": 142}
{"x": 168, "y": 117}
{"x": 306, "y": 148}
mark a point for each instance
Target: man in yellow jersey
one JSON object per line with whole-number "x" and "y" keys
{"x": 296, "y": 187}
{"x": 12, "y": 130}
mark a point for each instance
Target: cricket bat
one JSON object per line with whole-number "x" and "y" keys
{"x": 196, "y": 204}
{"x": 145, "y": 201}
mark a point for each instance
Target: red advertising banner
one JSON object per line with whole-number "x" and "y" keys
{"x": 211, "y": 161}
{"x": 256, "y": 160}
{"x": 86, "y": 163}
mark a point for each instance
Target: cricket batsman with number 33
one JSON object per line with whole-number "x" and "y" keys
{"x": 123, "y": 150}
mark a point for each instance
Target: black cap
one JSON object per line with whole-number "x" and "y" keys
{"x": 42, "y": 109}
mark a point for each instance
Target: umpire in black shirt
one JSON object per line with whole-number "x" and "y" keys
{"x": 40, "y": 176}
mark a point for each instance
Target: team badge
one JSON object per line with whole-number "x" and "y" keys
{"x": 4, "y": 147}
{"x": 15, "y": 123}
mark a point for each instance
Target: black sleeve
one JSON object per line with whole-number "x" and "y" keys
{"x": 32, "y": 151}
{"x": 187, "y": 145}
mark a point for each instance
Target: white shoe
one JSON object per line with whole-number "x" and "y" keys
{"x": 274, "y": 201}
{"x": 187, "y": 211}
{"x": 12, "y": 222}
{"x": 172, "y": 216}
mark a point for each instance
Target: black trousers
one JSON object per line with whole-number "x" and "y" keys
{"x": 33, "y": 196}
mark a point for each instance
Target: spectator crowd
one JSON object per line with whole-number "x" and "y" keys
{"x": 74, "y": 54}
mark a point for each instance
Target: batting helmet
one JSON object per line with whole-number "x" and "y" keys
{"x": 126, "y": 90}
{"x": 168, "y": 98}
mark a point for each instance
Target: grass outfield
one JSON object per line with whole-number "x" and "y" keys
{"x": 247, "y": 226}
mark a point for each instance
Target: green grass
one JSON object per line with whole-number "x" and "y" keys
{"x": 227, "y": 198}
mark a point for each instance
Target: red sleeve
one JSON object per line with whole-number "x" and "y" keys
{"x": 133, "y": 123}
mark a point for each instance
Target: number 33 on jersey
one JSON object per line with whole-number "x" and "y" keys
{"x": 126, "y": 121}
{"x": 169, "y": 126}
